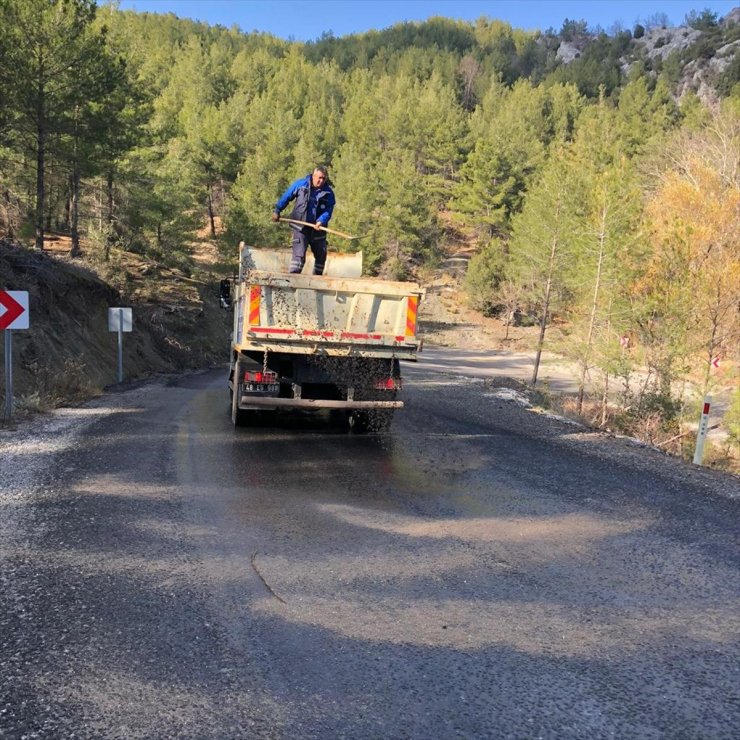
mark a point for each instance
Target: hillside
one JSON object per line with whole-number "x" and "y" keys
{"x": 69, "y": 355}
{"x": 701, "y": 56}
{"x": 701, "y": 59}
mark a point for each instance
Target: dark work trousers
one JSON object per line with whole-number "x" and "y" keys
{"x": 302, "y": 240}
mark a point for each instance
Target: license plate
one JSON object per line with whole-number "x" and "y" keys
{"x": 261, "y": 388}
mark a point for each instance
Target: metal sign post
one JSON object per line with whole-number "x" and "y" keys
{"x": 120, "y": 349}
{"x": 8, "y": 375}
{"x": 13, "y": 315}
{"x": 702, "y": 433}
{"x": 120, "y": 320}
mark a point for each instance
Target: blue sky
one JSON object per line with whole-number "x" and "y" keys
{"x": 304, "y": 20}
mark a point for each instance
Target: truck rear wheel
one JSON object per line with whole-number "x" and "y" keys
{"x": 238, "y": 416}
{"x": 379, "y": 420}
{"x": 359, "y": 422}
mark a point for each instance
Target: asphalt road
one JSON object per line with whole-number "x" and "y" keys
{"x": 479, "y": 572}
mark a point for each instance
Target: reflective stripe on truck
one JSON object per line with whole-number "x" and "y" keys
{"x": 411, "y": 309}
{"x": 255, "y": 294}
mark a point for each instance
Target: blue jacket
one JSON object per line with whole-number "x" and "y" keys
{"x": 311, "y": 204}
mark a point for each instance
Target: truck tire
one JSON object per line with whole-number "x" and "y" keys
{"x": 381, "y": 420}
{"x": 359, "y": 422}
{"x": 238, "y": 416}
{"x": 378, "y": 421}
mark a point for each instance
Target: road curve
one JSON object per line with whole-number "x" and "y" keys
{"x": 481, "y": 571}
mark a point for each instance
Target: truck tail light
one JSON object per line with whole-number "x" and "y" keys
{"x": 260, "y": 377}
{"x": 388, "y": 384}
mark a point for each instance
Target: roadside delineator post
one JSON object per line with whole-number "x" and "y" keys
{"x": 702, "y": 433}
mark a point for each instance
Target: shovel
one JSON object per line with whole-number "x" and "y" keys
{"x": 319, "y": 228}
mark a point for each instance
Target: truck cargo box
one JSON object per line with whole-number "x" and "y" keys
{"x": 325, "y": 341}
{"x": 329, "y": 314}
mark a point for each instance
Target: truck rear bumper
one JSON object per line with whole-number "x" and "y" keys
{"x": 265, "y": 402}
{"x": 346, "y": 349}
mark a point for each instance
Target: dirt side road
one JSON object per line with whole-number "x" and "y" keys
{"x": 481, "y": 571}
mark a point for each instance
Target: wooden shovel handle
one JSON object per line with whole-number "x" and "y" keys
{"x": 318, "y": 228}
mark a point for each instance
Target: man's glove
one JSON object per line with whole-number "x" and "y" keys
{"x": 275, "y": 216}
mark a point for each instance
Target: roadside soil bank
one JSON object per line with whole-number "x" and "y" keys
{"x": 69, "y": 355}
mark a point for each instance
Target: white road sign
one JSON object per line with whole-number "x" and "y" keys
{"x": 14, "y": 309}
{"x": 120, "y": 319}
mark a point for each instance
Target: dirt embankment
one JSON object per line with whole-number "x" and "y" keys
{"x": 68, "y": 354}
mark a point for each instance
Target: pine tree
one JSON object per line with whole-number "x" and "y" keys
{"x": 608, "y": 222}
{"x": 511, "y": 130}
{"x": 488, "y": 191}
{"x": 545, "y": 241}
{"x": 50, "y": 53}
{"x": 264, "y": 175}
{"x": 209, "y": 152}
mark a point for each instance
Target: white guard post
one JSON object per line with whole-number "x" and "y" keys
{"x": 702, "y": 434}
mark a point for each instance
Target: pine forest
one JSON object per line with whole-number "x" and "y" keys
{"x": 594, "y": 173}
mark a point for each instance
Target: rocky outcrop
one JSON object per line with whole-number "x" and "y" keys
{"x": 658, "y": 43}
{"x": 703, "y": 66}
{"x": 701, "y": 75}
{"x": 567, "y": 52}
{"x": 732, "y": 17}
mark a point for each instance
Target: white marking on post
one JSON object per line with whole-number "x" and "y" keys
{"x": 702, "y": 433}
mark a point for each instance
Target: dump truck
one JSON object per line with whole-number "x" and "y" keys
{"x": 310, "y": 342}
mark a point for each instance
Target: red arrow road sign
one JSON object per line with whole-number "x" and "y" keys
{"x": 14, "y": 310}
{"x": 715, "y": 362}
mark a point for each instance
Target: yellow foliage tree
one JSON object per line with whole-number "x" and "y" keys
{"x": 693, "y": 276}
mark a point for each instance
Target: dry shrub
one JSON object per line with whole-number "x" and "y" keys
{"x": 720, "y": 455}
{"x": 55, "y": 386}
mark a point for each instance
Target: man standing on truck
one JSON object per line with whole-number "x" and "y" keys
{"x": 314, "y": 203}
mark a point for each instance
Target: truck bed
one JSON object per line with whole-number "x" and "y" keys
{"x": 324, "y": 314}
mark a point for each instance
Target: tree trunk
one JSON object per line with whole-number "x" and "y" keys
{"x": 713, "y": 343}
{"x": 592, "y": 320}
{"x": 543, "y": 324}
{"x": 109, "y": 191}
{"x": 109, "y": 232}
{"x": 75, "y": 214}
{"x": 39, "y": 215}
{"x": 546, "y": 302}
{"x": 68, "y": 204}
{"x": 210, "y": 212}
{"x": 100, "y": 204}
{"x": 75, "y": 191}
{"x": 9, "y": 210}
{"x": 605, "y": 396}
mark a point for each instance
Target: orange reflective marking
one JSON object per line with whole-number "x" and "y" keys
{"x": 254, "y": 305}
{"x": 412, "y": 308}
